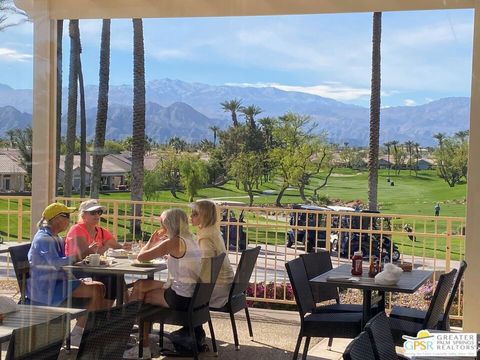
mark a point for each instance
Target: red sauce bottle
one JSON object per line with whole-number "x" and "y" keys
{"x": 357, "y": 259}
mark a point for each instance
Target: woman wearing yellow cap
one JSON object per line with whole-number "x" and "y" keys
{"x": 49, "y": 284}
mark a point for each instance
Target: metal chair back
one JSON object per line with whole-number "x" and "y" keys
{"x": 316, "y": 264}
{"x": 41, "y": 341}
{"x": 437, "y": 304}
{"x": 107, "y": 332}
{"x": 361, "y": 348}
{"x": 19, "y": 256}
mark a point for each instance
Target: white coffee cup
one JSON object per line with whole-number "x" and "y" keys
{"x": 93, "y": 260}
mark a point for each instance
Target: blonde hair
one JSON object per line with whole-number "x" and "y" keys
{"x": 175, "y": 222}
{"x": 207, "y": 212}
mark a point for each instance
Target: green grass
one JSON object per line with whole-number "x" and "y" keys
{"x": 415, "y": 195}
{"x": 412, "y": 195}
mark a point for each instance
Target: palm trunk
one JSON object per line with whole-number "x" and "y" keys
{"x": 138, "y": 136}
{"x": 102, "y": 111}
{"x": 72, "y": 106}
{"x": 374, "y": 113}
{"x": 83, "y": 129}
{"x": 58, "y": 141}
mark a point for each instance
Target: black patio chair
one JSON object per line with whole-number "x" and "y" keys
{"x": 418, "y": 315}
{"x": 107, "y": 332}
{"x": 435, "y": 310}
{"x": 19, "y": 256}
{"x": 37, "y": 342}
{"x": 312, "y": 324}
{"x": 237, "y": 298}
{"x": 361, "y": 348}
{"x": 198, "y": 312}
{"x": 319, "y": 263}
{"x": 378, "y": 329}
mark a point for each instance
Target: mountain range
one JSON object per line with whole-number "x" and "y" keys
{"x": 187, "y": 110}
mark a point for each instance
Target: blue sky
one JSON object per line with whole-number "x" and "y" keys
{"x": 426, "y": 55}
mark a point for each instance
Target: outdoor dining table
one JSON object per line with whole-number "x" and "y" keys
{"x": 28, "y": 315}
{"x": 341, "y": 276}
{"x": 119, "y": 268}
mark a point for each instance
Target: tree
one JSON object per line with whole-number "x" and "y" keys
{"x": 295, "y": 156}
{"x": 167, "y": 169}
{"x": 215, "y": 129}
{"x": 102, "y": 110}
{"x": 409, "y": 147}
{"x": 249, "y": 112}
{"x": 193, "y": 175}
{"x": 398, "y": 156}
{"x": 316, "y": 158}
{"x": 452, "y": 158}
{"x": 21, "y": 139}
{"x": 247, "y": 169}
{"x": 58, "y": 141}
{"x": 417, "y": 156}
{"x": 232, "y": 106}
{"x": 83, "y": 124}
{"x": 178, "y": 144}
{"x": 375, "y": 100}
{"x": 72, "y": 106}
{"x": 152, "y": 182}
{"x": 388, "y": 145}
{"x": 138, "y": 131}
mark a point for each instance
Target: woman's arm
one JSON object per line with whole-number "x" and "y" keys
{"x": 160, "y": 248}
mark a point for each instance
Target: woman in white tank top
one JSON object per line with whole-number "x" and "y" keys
{"x": 184, "y": 262}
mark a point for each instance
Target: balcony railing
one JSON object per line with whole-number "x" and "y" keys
{"x": 432, "y": 242}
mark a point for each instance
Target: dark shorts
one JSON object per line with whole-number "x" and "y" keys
{"x": 176, "y": 302}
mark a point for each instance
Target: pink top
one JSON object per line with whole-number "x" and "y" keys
{"x": 79, "y": 230}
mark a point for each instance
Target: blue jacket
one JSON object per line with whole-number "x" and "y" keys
{"x": 48, "y": 283}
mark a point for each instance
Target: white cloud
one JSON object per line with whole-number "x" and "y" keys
{"x": 332, "y": 90}
{"x": 409, "y": 102}
{"x": 13, "y": 55}
{"x": 433, "y": 35}
{"x": 168, "y": 54}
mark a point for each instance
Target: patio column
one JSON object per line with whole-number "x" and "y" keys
{"x": 44, "y": 109}
{"x": 471, "y": 314}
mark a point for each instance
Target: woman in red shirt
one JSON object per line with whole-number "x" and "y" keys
{"x": 87, "y": 237}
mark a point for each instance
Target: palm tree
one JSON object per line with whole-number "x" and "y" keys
{"x": 83, "y": 126}
{"x": 232, "y": 106}
{"x": 59, "y": 97}
{"x": 417, "y": 156}
{"x": 102, "y": 110}
{"x": 249, "y": 112}
{"x": 215, "y": 129}
{"x": 440, "y": 137}
{"x": 72, "y": 106}
{"x": 267, "y": 124}
{"x": 387, "y": 145}
{"x": 409, "y": 146}
{"x": 374, "y": 112}
{"x": 138, "y": 131}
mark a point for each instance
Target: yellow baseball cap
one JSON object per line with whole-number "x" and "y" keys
{"x": 54, "y": 209}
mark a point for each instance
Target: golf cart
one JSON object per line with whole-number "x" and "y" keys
{"x": 303, "y": 224}
{"x": 354, "y": 241}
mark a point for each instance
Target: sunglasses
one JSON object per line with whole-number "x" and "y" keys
{"x": 95, "y": 212}
{"x": 64, "y": 215}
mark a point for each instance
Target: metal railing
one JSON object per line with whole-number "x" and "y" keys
{"x": 429, "y": 242}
